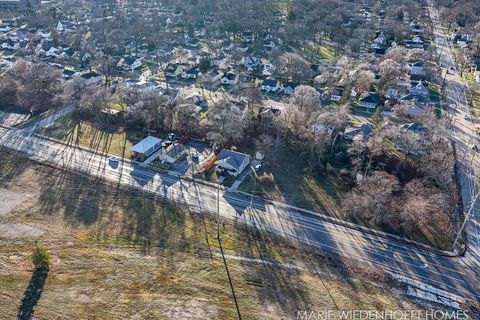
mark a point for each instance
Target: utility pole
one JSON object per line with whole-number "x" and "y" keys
{"x": 254, "y": 176}
{"x": 467, "y": 216}
{"x": 218, "y": 210}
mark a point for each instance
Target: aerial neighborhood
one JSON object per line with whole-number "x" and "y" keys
{"x": 186, "y": 95}
{"x": 289, "y": 117}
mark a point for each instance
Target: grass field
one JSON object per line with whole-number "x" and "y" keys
{"x": 289, "y": 183}
{"x": 119, "y": 254}
{"x": 79, "y": 132}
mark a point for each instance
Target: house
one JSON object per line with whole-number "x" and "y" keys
{"x": 244, "y": 47}
{"x": 370, "y": 101}
{"x": 418, "y": 68}
{"x": 129, "y": 63}
{"x": 173, "y": 153}
{"x": 230, "y": 78}
{"x": 250, "y": 63}
{"x": 420, "y": 91}
{"x": 269, "y": 45}
{"x": 231, "y": 162}
{"x": 213, "y": 76}
{"x": 268, "y": 67}
{"x": 319, "y": 128}
{"x": 194, "y": 42}
{"x": 268, "y": 113}
{"x": 227, "y": 46}
{"x": 415, "y": 43}
{"x": 270, "y": 85}
{"x": 221, "y": 60}
{"x": 416, "y": 109}
{"x": 414, "y": 126}
{"x": 337, "y": 93}
{"x": 248, "y": 36}
{"x": 359, "y": 132}
{"x": 192, "y": 73}
{"x": 91, "y": 77}
{"x": 173, "y": 70}
{"x": 289, "y": 88}
{"x": 146, "y": 147}
{"x": 69, "y": 73}
{"x": 392, "y": 94}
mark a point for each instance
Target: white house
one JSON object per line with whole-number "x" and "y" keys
{"x": 192, "y": 73}
{"x": 250, "y": 63}
{"x": 213, "y": 76}
{"x": 91, "y": 77}
{"x": 173, "y": 153}
{"x": 173, "y": 70}
{"x": 370, "y": 101}
{"x": 146, "y": 147}
{"x": 230, "y": 78}
{"x": 270, "y": 85}
{"x": 231, "y": 162}
{"x": 419, "y": 90}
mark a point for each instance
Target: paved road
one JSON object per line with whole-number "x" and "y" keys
{"x": 465, "y": 137}
{"x": 450, "y": 274}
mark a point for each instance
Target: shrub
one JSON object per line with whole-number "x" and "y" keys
{"x": 40, "y": 257}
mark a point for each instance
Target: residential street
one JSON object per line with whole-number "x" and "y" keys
{"x": 465, "y": 137}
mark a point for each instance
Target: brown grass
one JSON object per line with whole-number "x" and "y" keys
{"x": 119, "y": 254}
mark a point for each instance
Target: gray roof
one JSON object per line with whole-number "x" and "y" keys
{"x": 232, "y": 158}
{"x": 147, "y": 145}
{"x": 174, "y": 150}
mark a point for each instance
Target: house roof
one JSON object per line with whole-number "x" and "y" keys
{"x": 213, "y": 73}
{"x": 172, "y": 67}
{"x": 174, "y": 150}
{"x": 415, "y": 126}
{"x": 419, "y": 64}
{"x": 232, "y": 158}
{"x": 421, "y": 87}
{"x": 476, "y": 61}
{"x": 371, "y": 98}
{"x": 230, "y": 76}
{"x": 270, "y": 83}
{"x": 364, "y": 129}
{"x": 338, "y": 91}
{"x": 90, "y": 75}
{"x": 192, "y": 71}
{"x": 146, "y": 144}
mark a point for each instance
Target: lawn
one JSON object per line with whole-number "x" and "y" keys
{"x": 290, "y": 184}
{"x": 323, "y": 51}
{"x": 468, "y": 77}
{"x": 114, "y": 141}
{"x": 119, "y": 254}
{"x": 434, "y": 91}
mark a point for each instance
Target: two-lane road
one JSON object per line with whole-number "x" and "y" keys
{"x": 450, "y": 274}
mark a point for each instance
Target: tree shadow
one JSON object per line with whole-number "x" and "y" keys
{"x": 32, "y": 294}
